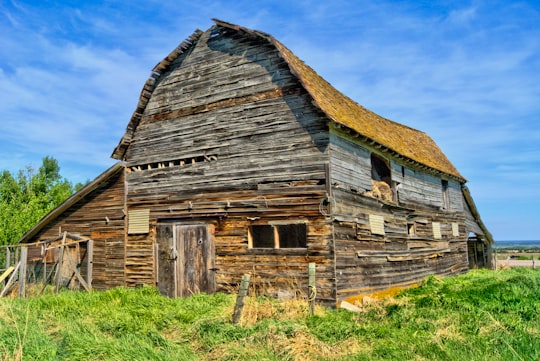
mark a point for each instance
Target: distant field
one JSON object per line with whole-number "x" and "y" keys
{"x": 482, "y": 315}
{"x": 525, "y": 255}
{"x": 517, "y": 254}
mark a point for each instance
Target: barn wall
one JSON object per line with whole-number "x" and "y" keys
{"x": 418, "y": 187}
{"x": 88, "y": 218}
{"x": 351, "y": 170}
{"x": 367, "y": 261}
{"x": 229, "y": 137}
{"x": 350, "y": 163}
{"x": 409, "y": 249}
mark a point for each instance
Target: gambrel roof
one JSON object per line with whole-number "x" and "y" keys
{"x": 404, "y": 142}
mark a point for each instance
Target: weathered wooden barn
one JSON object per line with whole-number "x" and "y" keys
{"x": 240, "y": 158}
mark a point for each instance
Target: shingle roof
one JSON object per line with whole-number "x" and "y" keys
{"x": 410, "y": 144}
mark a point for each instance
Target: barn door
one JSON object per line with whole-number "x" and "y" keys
{"x": 185, "y": 259}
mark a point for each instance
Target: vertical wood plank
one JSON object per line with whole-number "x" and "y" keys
{"x": 210, "y": 262}
{"x": 22, "y": 272}
{"x": 90, "y": 261}
{"x": 180, "y": 262}
{"x": 59, "y": 264}
{"x": 166, "y": 255}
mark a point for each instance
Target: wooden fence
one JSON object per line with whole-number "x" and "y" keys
{"x": 62, "y": 262}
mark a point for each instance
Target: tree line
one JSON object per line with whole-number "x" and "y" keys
{"x": 28, "y": 196}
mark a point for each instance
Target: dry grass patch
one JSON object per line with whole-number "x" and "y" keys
{"x": 257, "y": 309}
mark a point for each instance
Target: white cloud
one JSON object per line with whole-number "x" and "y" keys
{"x": 462, "y": 16}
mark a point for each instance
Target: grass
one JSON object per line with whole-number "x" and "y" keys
{"x": 483, "y": 315}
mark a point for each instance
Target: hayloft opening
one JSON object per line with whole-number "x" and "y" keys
{"x": 445, "y": 198}
{"x": 381, "y": 179}
{"x": 380, "y": 170}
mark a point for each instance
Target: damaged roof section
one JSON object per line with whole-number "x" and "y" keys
{"x": 148, "y": 89}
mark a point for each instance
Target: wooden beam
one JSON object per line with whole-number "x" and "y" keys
{"x": 90, "y": 262}
{"x": 11, "y": 280}
{"x": 6, "y": 273}
{"x": 59, "y": 267}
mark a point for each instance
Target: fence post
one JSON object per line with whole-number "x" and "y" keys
{"x": 242, "y": 293}
{"x": 22, "y": 272}
{"x": 312, "y": 290}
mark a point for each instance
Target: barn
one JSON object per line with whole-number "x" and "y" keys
{"x": 240, "y": 159}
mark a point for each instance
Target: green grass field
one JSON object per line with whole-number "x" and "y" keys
{"x": 483, "y": 315}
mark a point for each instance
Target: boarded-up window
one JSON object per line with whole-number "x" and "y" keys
{"x": 139, "y": 221}
{"x": 437, "y": 230}
{"x": 455, "y": 229}
{"x": 278, "y": 236}
{"x": 377, "y": 224}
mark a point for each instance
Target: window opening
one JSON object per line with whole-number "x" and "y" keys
{"x": 381, "y": 179}
{"x": 445, "y": 201}
{"x": 278, "y": 236}
{"x": 411, "y": 229}
{"x": 262, "y": 236}
{"x": 292, "y": 235}
{"x": 379, "y": 169}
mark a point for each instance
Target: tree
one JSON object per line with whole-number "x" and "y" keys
{"x": 27, "y": 198}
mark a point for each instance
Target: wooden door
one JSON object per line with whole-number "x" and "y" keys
{"x": 185, "y": 259}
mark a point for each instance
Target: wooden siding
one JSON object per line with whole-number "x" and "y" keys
{"x": 366, "y": 262}
{"x": 350, "y": 163}
{"x": 99, "y": 216}
{"x": 275, "y": 272}
{"x": 140, "y": 260}
{"x": 351, "y": 170}
{"x": 418, "y": 187}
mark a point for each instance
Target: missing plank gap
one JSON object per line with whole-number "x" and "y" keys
{"x": 174, "y": 163}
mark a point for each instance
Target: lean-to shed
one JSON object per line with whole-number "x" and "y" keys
{"x": 240, "y": 158}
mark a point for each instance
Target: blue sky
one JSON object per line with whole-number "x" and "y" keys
{"x": 465, "y": 72}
